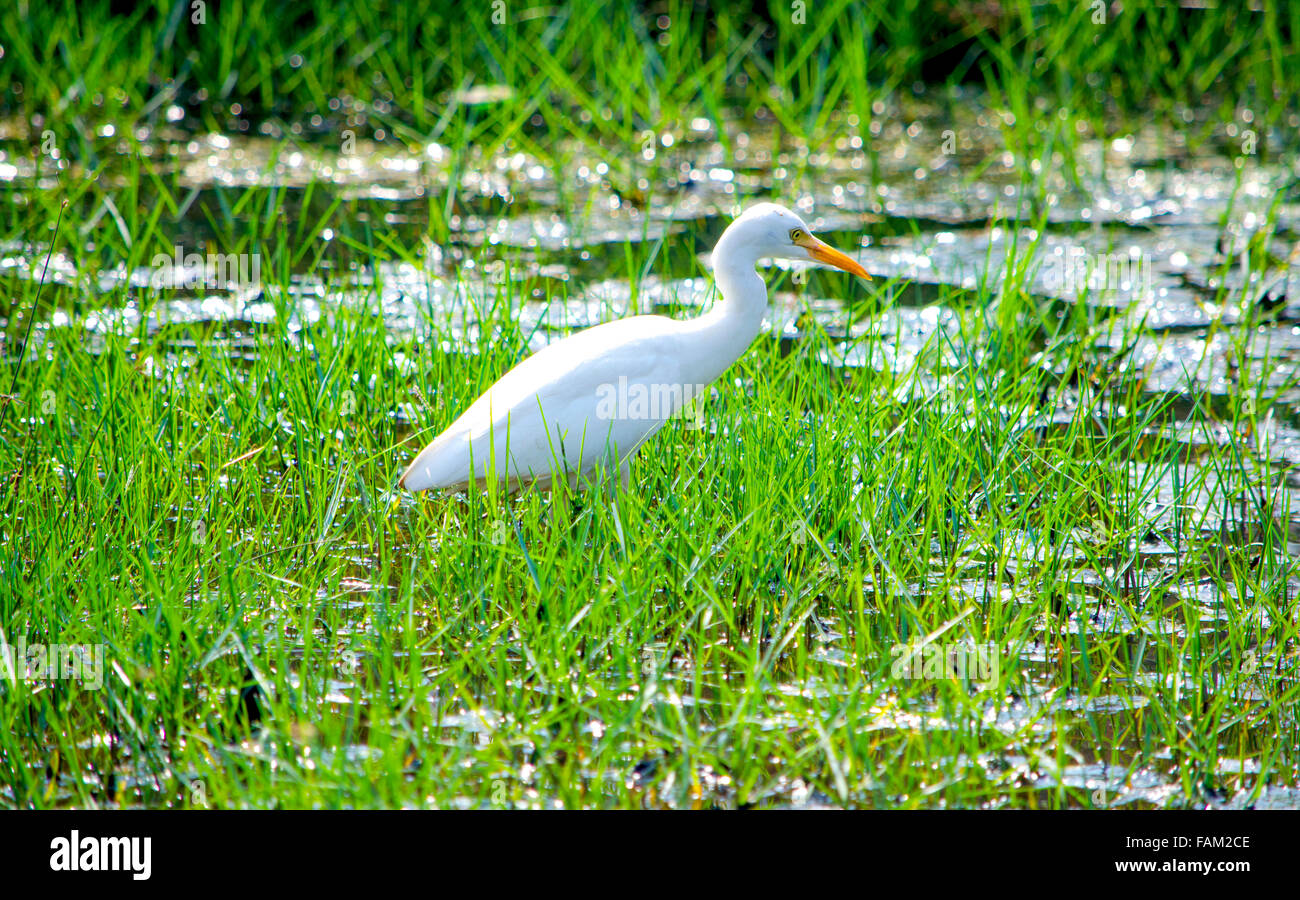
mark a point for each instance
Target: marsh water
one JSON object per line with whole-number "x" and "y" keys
{"x": 1158, "y": 233}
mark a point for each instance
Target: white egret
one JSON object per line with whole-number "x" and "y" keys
{"x": 595, "y": 397}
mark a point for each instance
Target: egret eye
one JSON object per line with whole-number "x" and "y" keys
{"x": 796, "y": 235}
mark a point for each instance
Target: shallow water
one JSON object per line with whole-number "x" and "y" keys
{"x": 1150, "y": 234}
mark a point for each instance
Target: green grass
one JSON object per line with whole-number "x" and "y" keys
{"x": 606, "y": 71}
{"x": 214, "y": 502}
{"x": 220, "y": 520}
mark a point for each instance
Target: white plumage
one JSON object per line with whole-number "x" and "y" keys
{"x": 597, "y": 396}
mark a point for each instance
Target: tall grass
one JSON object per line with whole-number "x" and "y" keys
{"x": 283, "y": 631}
{"x": 606, "y": 69}
{"x": 213, "y": 500}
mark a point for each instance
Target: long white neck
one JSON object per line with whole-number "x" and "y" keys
{"x": 726, "y": 331}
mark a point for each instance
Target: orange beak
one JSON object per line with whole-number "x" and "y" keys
{"x": 825, "y": 253}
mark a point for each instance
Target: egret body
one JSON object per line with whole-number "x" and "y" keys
{"x": 566, "y": 408}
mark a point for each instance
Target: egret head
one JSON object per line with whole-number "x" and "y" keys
{"x": 774, "y": 231}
